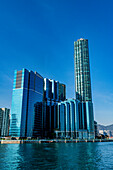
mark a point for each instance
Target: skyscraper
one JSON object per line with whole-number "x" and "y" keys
{"x": 27, "y": 97}
{"x": 54, "y": 92}
{"x": 82, "y": 70}
{"x": 83, "y": 85}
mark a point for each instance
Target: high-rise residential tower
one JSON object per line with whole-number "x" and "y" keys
{"x": 83, "y": 85}
{"x": 82, "y": 70}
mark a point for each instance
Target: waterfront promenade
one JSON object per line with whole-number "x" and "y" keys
{"x": 53, "y": 141}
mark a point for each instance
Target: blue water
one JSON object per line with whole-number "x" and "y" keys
{"x": 57, "y": 156}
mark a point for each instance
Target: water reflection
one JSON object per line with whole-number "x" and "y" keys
{"x": 37, "y": 156}
{"x": 57, "y": 156}
{"x": 78, "y": 155}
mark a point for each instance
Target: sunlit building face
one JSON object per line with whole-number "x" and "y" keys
{"x": 82, "y": 70}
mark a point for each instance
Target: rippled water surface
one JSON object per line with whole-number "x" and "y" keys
{"x": 57, "y": 156}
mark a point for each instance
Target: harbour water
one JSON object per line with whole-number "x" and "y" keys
{"x": 97, "y": 155}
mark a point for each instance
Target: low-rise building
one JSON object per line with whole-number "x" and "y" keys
{"x": 74, "y": 120}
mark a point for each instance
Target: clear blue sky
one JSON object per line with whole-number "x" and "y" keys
{"x": 39, "y": 35}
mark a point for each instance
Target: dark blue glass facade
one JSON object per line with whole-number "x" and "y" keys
{"x": 75, "y": 119}
{"x": 68, "y": 118}
{"x": 54, "y": 92}
{"x": 89, "y": 118}
{"x": 27, "y": 91}
{"x": 62, "y": 92}
{"x": 35, "y": 95}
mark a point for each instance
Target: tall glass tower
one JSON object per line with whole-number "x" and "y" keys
{"x": 83, "y": 85}
{"x": 82, "y": 70}
{"x": 26, "y": 104}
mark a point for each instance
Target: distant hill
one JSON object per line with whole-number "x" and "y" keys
{"x": 102, "y": 127}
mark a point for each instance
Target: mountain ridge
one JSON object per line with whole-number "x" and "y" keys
{"x": 102, "y": 127}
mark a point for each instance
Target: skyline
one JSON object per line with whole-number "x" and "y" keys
{"x": 40, "y": 36}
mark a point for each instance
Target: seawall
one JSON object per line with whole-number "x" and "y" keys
{"x": 52, "y": 141}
